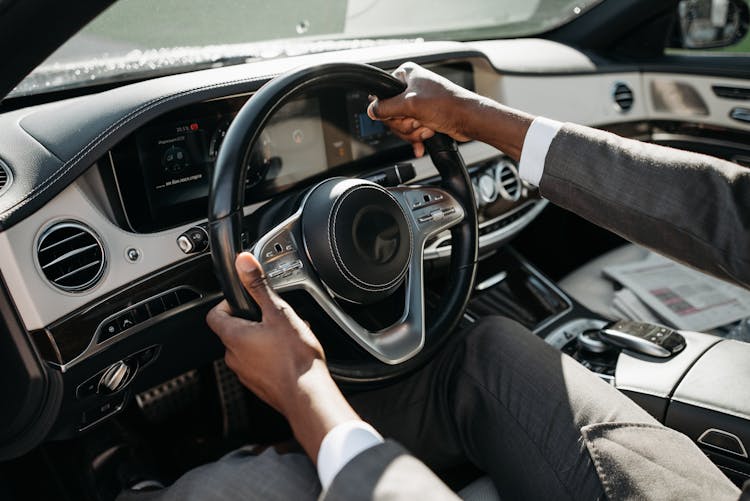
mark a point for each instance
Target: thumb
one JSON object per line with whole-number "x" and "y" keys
{"x": 252, "y": 277}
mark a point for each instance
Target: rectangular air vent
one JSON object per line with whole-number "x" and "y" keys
{"x": 738, "y": 93}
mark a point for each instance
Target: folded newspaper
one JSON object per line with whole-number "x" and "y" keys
{"x": 675, "y": 294}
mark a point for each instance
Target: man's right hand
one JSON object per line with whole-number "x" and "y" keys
{"x": 429, "y": 104}
{"x": 432, "y": 104}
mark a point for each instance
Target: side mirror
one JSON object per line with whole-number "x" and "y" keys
{"x": 709, "y": 24}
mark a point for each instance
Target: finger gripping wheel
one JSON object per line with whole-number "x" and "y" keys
{"x": 396, "y": 251}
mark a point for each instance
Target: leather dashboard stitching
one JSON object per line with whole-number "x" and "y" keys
{"x": 68, "y": 165}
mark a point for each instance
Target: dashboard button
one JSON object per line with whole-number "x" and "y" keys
{"x": 194, "y": 240}
{"x": 187, "y": 295}
{"x": 104, "y": 409}
{"x": 88, "y": 388}
{"x": 155, "y": 306}
{"x": 140, "y": 313}
{"x": 170, "y": 300}
{"x": 109, "y": 330}
{"x": 125, "y": 321}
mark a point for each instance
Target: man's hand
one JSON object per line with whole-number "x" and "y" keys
{"x": 280, "y": 360}
{"x": 432, "y": 104}
{"x": 429, "y": 104}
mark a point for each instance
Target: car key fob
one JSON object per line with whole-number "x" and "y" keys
{"x": 645, "y": 338}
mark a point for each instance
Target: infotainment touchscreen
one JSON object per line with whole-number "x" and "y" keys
{"x": 175, "y": 162}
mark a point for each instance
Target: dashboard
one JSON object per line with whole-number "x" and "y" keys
{"x": 123, "y": 174}
{"x": 168, "y": 163}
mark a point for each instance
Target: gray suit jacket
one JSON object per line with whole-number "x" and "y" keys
{"x": 691, "y": 207}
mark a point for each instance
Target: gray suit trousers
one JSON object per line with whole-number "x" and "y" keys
{"x": 540, "y": 424}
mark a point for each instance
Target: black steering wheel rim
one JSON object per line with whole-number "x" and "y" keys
{"x": 226, "y": 203}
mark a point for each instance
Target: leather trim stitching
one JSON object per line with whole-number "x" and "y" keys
{"x": 73, "y": 161}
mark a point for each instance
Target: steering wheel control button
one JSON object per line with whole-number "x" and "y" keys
{"x": 363, "y": 254}
{"x": 193, "y": 241}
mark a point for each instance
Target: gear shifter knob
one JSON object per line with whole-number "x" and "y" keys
{"x": 589, "y": 340}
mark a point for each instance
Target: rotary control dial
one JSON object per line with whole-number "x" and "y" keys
{"x": 487, "y": 189}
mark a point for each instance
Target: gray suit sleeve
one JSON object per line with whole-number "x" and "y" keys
{"x": 693, "y": 208}
{"x": 386, "y": 472}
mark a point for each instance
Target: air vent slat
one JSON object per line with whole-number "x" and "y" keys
{"x": 76, "y": 271}
{"x": 71, "y": 256}
{"x": 623, "y": 96}
{"x": 5, "y": 177}
{"x": 64, "y": 240}
{"x": 508, "y": 181}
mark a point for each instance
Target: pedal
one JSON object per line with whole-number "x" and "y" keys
{"x": 232, "y": 398}
{"x": 169, "y": 398}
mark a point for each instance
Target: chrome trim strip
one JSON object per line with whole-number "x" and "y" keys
{"x": 95, "y": 346}
{"x": 491, "y": 281}
{"x": 552, "y": 286}
{"x": 119, "y": 192}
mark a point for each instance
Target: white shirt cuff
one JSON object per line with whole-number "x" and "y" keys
{"x": 535, "y": 147}
{"x": 340, "y": 445}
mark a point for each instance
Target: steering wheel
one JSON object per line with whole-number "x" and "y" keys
{"x": 350, "y": 239}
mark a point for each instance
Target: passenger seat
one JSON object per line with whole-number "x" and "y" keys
{"x": 588, "y": 286}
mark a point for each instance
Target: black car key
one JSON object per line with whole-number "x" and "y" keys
{"x": 648, "y": 339}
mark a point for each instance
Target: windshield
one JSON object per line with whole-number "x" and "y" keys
{"x": 134, "y": 38}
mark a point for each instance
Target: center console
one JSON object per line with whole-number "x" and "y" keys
{"x": 702, "y": 390}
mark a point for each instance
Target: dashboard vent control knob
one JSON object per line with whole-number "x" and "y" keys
{"x": 487, "y": 189}
{"x": 194, "y": 240}
{"x": 116, "y": 377}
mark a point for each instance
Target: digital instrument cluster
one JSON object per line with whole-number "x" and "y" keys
{"x": 162, "y": 171}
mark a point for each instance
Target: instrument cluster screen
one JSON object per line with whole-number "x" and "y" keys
{"x": 168, "y": 163}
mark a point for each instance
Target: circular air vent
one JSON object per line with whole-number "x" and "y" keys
{"x": 71, "y": 256}
{"x": 508, "y": 181}
{"x": 623, "y": 97}
{"x": 5, "y": 177}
